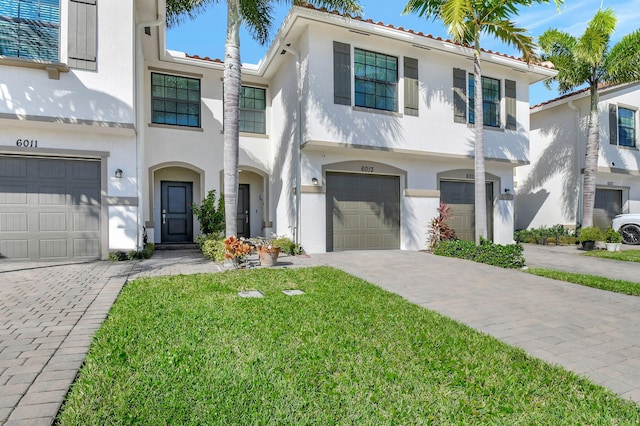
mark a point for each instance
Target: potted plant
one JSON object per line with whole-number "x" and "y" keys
{"x": 237, "y": 251}
{"x": 613, "y": 239}
{"x": 268, "y": 251}
{"x": 588, "y": 237}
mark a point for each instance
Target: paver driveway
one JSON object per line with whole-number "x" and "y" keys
{"x": 48, "y": 314}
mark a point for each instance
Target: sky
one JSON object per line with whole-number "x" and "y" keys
{"x": 205, "y": 35}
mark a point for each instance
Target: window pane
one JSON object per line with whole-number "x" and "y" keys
{"x": 252, "y": 109}
{"x": 175, "y": 100}
{"x": 376, "y": 76}
{"x": 30, "y": 29}
{"x": 626, "y": 127}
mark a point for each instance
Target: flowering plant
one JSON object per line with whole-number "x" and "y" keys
{"x": 236, "y": 250}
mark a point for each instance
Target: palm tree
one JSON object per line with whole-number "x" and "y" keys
{"x": 466, "y": 20}
{"x": 257, "y": 15}
{"x": 588, "y": 60}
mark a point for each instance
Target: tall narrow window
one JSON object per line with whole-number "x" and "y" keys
{"x": 626, "y": 127}
{"x": 490, "y": 101}
{"x": 175, "y": 100}
{"x": 30, "y": 29}
{"x": 376, "y": 80}
{"x": 253, "y": 105}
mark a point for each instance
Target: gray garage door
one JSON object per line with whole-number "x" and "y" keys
{"x": 608, "y": 203}
{"x": 460, "y": 196}
{"x": 49, "y": 208}
{"x": 363, "y": 212}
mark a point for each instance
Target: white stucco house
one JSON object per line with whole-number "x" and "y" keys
{"x": 352, "y": 132}
{"x": 549, "y": 190}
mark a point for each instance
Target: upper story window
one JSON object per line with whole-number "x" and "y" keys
{"x": 253, "y": 105}
{"x": 626, "y": 127}
{"x": 490, "y": 101}
{"x": 376, "y": 80}
{"x": 175, "y": 100}
{"x": 30, "y": 29}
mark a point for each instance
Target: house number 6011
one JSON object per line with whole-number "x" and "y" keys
{"x": 366, "y": 169}
{"x": 26, "y": 143}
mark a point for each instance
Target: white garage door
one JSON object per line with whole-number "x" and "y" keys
{"x": 49, "y": 208}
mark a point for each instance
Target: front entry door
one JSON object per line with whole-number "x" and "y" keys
{"x": 176, "y": 217}
{"x": 243, "y": 211}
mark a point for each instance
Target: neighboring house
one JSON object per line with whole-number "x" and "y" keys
{"x": 68, "y": 124}
{"x": 352, "y": 133}
{"x": 549, "y": 190}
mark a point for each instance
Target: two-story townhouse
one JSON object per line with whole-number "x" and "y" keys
{"x": 68, "y": 146}
{"x": 352, "y": 132}
{"x": 549, "y": 190}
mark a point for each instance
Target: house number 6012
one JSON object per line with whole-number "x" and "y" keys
{"x": 26, "y": 143}
{"x": 366, "y": 169}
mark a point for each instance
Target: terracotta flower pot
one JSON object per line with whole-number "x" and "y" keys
{"x": 268, "y": 256}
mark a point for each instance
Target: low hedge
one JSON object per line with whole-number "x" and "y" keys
{"x": 145, "y": 253}
{"x": 509, "y": 256}
{"x": 212, "y": 247}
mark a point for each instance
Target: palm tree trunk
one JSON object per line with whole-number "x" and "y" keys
{"x": 480, "y": 186}
{"x": 591, "y": 164}
{"x": 232, "y": 87}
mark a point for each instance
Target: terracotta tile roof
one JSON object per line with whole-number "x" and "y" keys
{"x": 601, "y": 86}
{"x": 382, "y": 24}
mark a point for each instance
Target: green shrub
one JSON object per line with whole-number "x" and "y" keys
{"x": 509, "y": 256}
{"x": 590, "y": 233}
{"x": 145, "y": 253}
{"x": 287, "y": 245}
{"x": 612, "y": 236}
{"x": 210, "y": 214}
{"x": 212, "y": 248}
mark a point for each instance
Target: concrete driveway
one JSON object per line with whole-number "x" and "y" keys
{"x": 49, "y": 313}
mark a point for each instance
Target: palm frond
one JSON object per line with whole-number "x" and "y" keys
{"x": 593, "y": 44}
{"x": 257, "y": 15}
{"x": 558, "y": 48}
{"x": 458, "y": 17}
{"x": 508, "y": 33}
{"x": 178, "y": 10}
{"x": 622, "y": 64}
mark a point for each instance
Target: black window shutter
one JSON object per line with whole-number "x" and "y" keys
{"x": 613, "y": 124}
{"x": 510, "y": 104}
{"x": 459, "y": 95}
{"x": 341, "y": 73}
{"x": 83, "y": 34}
{"x": 411, "y": 87}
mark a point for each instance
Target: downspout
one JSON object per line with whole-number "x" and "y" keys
{"x": 298, "y": 134}
{"x": 139, "y": 110}
{"x": 577, "y": 165}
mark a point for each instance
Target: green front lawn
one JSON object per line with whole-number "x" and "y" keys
{"x": 188, "y": 350}
{"x": 617, "y": 286}
{"x": 627, "y": 255}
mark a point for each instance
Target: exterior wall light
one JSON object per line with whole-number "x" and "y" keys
{"x": 314, "y": 181}
{"x": 118, "y": 173}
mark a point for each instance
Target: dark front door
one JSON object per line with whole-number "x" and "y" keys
{"x": 243, "y": 211}
{"x": 176, "y": 217}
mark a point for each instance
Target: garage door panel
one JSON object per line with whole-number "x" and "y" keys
{"x": 85, "y": 171}
{"x": 51, "y": 222}
{"x": 85, "y": 196}
{"x": 608, "y": 203}
{"x": 363, "y": 212}
{"x": 14, "y": 222}
{"x": 460, "y": 196}
{"x": 53, "y": 211}
{"x": 86, "y": 247}
{"x": 14, "y": 249}
{"x": 53, "y": 249}
{"x": 13, "y": 167}
{"x": 86, "y": 222}
{"x": 52, "y": 169}
{"x": 13, "y": 194}
{"x": 52, "y": 196}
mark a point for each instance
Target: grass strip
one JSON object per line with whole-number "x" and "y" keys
{"x": 626, "y": 255}
{"x": 188, "y": 350}
{"x": 617, "y": 286}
